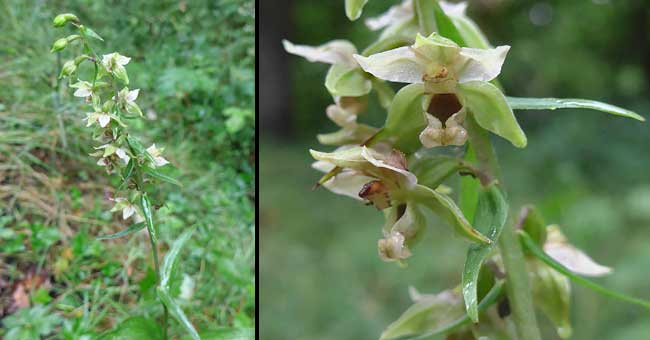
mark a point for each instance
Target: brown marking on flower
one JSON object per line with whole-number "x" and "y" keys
{"x": 376, "y": 193}
{"x": 443, "y": 106}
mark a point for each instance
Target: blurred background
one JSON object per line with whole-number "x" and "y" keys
{"x": 587, "y": 171}
{"x": 194, "y": 63}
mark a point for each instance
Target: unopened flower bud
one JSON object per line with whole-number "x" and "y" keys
{"x": 59, "y": 45}
{"x": 61, "y": 19}
{"x": 68, "y": 68}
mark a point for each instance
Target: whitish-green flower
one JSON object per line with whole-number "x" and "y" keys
{"x": 403, "y": 12}
{"x": 102, "y": 118}
{"x": 83, "y": 89}
{"x": 126, "y": 100}
{"x": 109, "y": 153}
{"x": 114, "y": 64}
{"x": 156, "y": 155}
{"x": 367, "y": 173}
{"x": 455, "y": 79}
{"x": 127, "y": 208}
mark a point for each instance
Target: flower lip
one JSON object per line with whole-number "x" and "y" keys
{"x": 443, "y": 106}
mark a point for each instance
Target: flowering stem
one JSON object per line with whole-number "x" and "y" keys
{"x": 517, "y": 285}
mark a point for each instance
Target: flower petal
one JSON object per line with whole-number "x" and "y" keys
{"x": 341, "y": 117}
{"x": 132, "y": 95}
{"x": 394, "y": 16}
{"x": 453, "y": 9}
{"x": 122, "y": 60}
{"x": 128, "y": 211}
{"x": 400, "y": 65}
{"x": 82, "y": 92}
{"x": 104, "y": 119}
{"x": 480, "y": 64}
{"x": 333, "y": 52}
{"x": 571, "y": 257}
{"x": 392, "y": 247}
{"x": 160, "y": 161}
{"x": 388, "y": 162}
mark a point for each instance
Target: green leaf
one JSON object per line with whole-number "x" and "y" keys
{"x": 491, "y": 216}
{"x": 135, "y": 227}
{"x": 354, "y": 8}
{"x": 135, "y": 328}
{"x": 446, "y": 27}
{"x": 552, "y": 295}
{"x": 491, "y": 110}
{"x": 423, "y": 326}
{"x": 227, "y": 334}
{"x": 166, "y": 272}
{"x": 569, "y": 103}
{"x": 159, "y": 175}
{"x": 406, "y": 118}
{"x": 146, "y": 209}
{"x": 529, "y": 243}
{"x": 432, "y": 171}
{"x": 446, "y": 209}
{"x": 347, "y": 81}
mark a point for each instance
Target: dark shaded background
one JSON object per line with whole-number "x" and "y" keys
{"x": 587, "y": 171}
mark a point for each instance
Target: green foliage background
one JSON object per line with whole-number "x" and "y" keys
{"x": 194, "y": 63}
{"x": 587, "y": 171}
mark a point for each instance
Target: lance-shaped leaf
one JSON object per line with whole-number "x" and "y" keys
{"x": 552, "y": 295}
{"x": 347, "y": 81}
{"x": 148, "y": 216}
{"x": 469, "y": 187}
{"x": 529, "y": 243}
{"x": 135, "y": 227}
{"x": 491, "y": 111}
{"x": 161, "y": 176}
{"x": 445, "y": 208}
{"x": 422, "y": 322}
{"x": 491, "y": 216}
{"x": 406, "y": 118}
{"x": 135, "y": 328}
{"x": 569, "y": 103}
{"x": 166, "y": 272}
{"x": 445, "y": 25}
{"x": 354, "y": 8}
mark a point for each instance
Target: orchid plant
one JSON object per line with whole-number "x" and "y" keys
{"x": 119, "y": 152}
{"x": 439, "y": 125}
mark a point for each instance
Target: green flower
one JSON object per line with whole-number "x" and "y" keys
{"x": 457, "y": 76}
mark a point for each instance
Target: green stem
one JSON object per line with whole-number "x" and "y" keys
{"x": 517, "y": 285}
{"x": 57, "y": 104}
